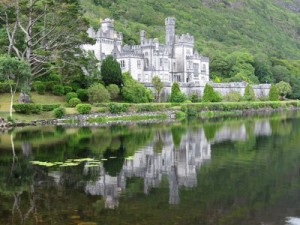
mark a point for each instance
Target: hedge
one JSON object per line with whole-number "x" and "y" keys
{"x": 74, "y": 102}
{"x": 117, "y": 108}
{"x": 28, "y": 108}
{"x": 59, "y": 112}
{"x": 84, "y": 108}
{"x": 50, "y": 107}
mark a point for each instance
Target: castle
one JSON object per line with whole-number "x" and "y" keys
{"x": 176, "y": 60}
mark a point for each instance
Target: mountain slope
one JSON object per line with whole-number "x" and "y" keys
{"x": 271, "y": 27}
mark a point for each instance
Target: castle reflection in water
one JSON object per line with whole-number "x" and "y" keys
{"x": 179, "y": 163}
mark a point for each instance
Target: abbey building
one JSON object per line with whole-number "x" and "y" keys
{"x": 176, "y": 60}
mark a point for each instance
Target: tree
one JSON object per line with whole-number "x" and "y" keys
{"x": 281, "y": 73}
{"x": 249, "y": 94}
{"x": 176, "y": 95}
{"x": 135, "y": 92}
{"x": 44, "y": 33}
{"x": 284, "y": 88}
{"x": 274, "y": 93}
{"x": 114, "y": 91}
{"x": 111, "y": 72}
{"x": 263, "y": 68}
{"x": 158, "y": 85}
{"x": 98, "y": 93}
{"x": 209, "y": 95}
{"x": 16, "y": 72}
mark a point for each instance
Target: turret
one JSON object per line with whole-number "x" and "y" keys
{"x": 143, "y": 36}
{"x": 107, "y": 24}
{"x": 170, "y": 30}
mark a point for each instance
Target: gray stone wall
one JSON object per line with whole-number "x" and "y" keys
{"x": 260, "y": 90}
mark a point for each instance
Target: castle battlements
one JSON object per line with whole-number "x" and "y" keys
{"x": 184, "y": 38}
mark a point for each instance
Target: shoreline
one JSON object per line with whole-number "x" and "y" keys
{"x": 180, "y": 112}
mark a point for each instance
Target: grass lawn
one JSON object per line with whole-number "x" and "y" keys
{"x": 36, "y": 98}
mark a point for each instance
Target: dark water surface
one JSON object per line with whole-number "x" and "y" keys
{"x": 235, "y": 171}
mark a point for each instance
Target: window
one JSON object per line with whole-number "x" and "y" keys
{"x": 146, "y": 63}
{"x": 122, "y": 63}
{"x": 160, "y": 62}
{"x": 139, "y": 64}
{"x": 196, "y": 69}
{"x": 139, "y": 77}
{"x": 203, "y": 68}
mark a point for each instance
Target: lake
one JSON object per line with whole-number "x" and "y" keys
{"x": 226, "y": 171}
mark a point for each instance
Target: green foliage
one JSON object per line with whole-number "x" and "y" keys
{"x": 70, "y": 95}
{"x": 40, "y": 88}
{"x": 58, "y": 90}
{"x": 84, "y": 108}
{"x": 281, "y": 73}
{"x": 98, "y": 93}
{"x": 59, "y": 112}
{"x": 249, "y": 94}
{"x": 111, "y": 71}
{"x": 209, "y": 95}
{"x": 274, "y": 93}
{"x": 29, "y": 108}
{"x": 194, "y": 98}
{"x": 5, "y": 86}
{"x": 284, "y": 88}
{"x": 114, "y": 91}
{"x": 233, "y": 97}
{"x": 68, "y": 89}
{"x": 176, "y": 95}
{"x": 82, "y": 95}
{"x": 117, "y": 108}
{"x": 73, "y": 102}
{"x": 135, "y": 92}
{"x": 50, "y": 107}
{"x": 158, "y": 86}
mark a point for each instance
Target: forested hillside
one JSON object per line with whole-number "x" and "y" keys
{"x": 252, "y": 40}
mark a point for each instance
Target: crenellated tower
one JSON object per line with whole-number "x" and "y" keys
{"x": 170, "y": 30}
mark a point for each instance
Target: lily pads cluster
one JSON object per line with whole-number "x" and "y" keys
{"x": 89, "y": 162}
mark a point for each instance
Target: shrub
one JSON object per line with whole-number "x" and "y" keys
{"x": 135, "y": 92}
{"x": 209, "y": 95}
{"x": 59, "y": 112}
{"x": 233, "y": 97}
{"x": 194, "y": 98}
{"x": 249, "y": 94}
{"x": 84, "y": 108}
{"x": 274, "y": 93}
{"x": 55, "y": 77}
{"x": 176, "y": 95}
{"x": 28, "y": 108}
{"x": 117, "y": 108}
{"x": 74, "y": 102}
{"x": 35, "y": 83}
{"x": 67, "y": 89}
{"x": 50, "y": 85}
{"x": 70, "y": 95}
{"x": 58, "y": 90}
{"x": 82, "y": 95}
{"x": 98, "y": 93}
{"x": 50, "y": 107}
{"x": 113, "y": 90}
{"x": 5, "y": 88}
{"x": 40, "y": 88}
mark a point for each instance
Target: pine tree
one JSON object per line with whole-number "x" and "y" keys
{"x": 249, "y": 94}
{"x": 209, "y": 95}
{"x": 111, "y": 72}
{"x": 274, "y": 93}
{"x": 176, "y": 95}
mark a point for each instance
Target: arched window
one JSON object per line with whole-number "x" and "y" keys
{"x": 146, "y": 63}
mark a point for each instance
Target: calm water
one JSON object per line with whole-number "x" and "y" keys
{"x": 223, "y": 172}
